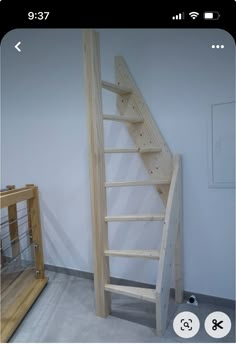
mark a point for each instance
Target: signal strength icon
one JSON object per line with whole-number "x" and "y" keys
{"x": 194, "y": 15}
{"x": 179, "y": 16}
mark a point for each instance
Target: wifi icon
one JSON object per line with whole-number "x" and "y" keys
{"x": 194, "y": 15}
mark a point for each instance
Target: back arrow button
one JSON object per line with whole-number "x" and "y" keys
{"x": 17, "y": 47}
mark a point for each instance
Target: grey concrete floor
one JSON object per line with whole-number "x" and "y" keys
{"x": 64, "y": 312}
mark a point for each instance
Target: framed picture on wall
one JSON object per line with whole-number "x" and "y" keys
{"x": 221, "y": 146}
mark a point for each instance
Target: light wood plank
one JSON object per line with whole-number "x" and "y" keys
{"x": 7, "y": 280}
{"x": 110, "y": 150}
{"x": 16, "y": 287}
{"x": 97, "y": 169}
{"x": 115, "y": 88}
{"x": 17, "y": 310}
{"x": 130, "y": 119}
{"x": 7, "y": 191}
{"x": 13, "y": 225}
{"x": 15, "y": 197}
{"x": 29, "y": 217}
{"x": 131, "y": 218}
{"x": 136, "y": 183}
{"x": 36, "y": 232}
{"x": 136, "y": 292}
{"x": 168, "y": 248}
{"x": 146, "y": 254}
{"x": 133, "y": 150}
{"x": 179, "y": 271}
{"x": 150, "y": 150}
{"x": 147, "y": 134}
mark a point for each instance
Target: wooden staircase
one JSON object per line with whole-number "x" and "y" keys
{"x": 165, "y": 175}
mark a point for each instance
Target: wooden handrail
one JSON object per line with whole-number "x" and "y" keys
{"x": 14, "y": 196}
{"x": 10, "y": 191}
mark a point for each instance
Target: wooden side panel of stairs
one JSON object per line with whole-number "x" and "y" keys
{"x": 165, "y": 174}
{"x": 159, "y": 165}
{"x": 167, "y": 253}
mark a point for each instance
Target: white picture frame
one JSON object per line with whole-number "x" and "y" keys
{"x": 221, "y": 146}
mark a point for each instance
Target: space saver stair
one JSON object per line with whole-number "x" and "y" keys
{"x": 165, "y": 174}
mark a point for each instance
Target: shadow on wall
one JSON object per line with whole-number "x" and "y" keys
{"x": 63, "y": 243}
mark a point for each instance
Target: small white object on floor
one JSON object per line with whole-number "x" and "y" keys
{"x": 192, "y": 300}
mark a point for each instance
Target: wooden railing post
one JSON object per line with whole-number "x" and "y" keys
{"x": 29, "y": 218}
{"x": 13, "y": 226}
{"x": 34, "y": 215}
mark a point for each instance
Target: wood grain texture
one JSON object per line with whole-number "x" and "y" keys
{"x": 179, "y": 270}
{"x": 146, "y": 134}
{"x": 137, "y": 253}
{"x": 115, "y": 88}
{"x": 15, "y": 196}
{"x": 36, "y": 232}
{"x": 11, "y": 191}
{"x": 130, "y": 119}
{"x": 13, "y": 225}
{"x": 133, "y": 218}
{"x": 7, "y": 280}
{"x": 28, "y": 214}
{"x": 168, "y": 247}
{"x": 17, "y": 286}
{"x": 120, "y": 150}
{"x": 19, "y": 306}
{"x": 136, "y": 292}
{"x": 21, "y": 288}
{"x": 136, "y": 183}
{"x": 164, "y": 173}
{"x": 133, "y": 150}
{"x": 97, "y": 168}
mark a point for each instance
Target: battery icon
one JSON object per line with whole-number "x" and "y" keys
{"x": 213, "y": 15}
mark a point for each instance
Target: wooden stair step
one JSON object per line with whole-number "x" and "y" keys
{"x": 150, "y": 150}
{"x": 134, "y": 150}
{"x": 140, "y": 253}
{"x": 130, "y": 218}
{"x": 115, "y": 88}
{"x": 131, "y": 119}
{"x": 136, "y": 183}
{"x": 136, "y": 292}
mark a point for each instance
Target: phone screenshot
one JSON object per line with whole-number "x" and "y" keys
{"x": 117, "y": 173}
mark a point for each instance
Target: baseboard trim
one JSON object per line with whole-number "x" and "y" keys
{"x": 218, "y": 301}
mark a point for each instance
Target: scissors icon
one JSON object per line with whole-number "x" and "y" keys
{"x": 216, "y": 324}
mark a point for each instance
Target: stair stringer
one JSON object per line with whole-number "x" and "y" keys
{"x": 171, "y": 229}
{"x": 146, "y": 134}
{"x": 92, "y": 72}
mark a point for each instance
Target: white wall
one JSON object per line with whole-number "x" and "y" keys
{"x": 44, "y": 141}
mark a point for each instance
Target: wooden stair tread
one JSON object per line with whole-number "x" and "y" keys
{"x": 127, "y": 218}
{"x": 136, "y": 183}
{"x": 136, "y": 292}
{"x": 115, "y": 88}
{"x": 133, "y": 150}
{"x": 140, "y": 253}
{"x": 131, "y": 119}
